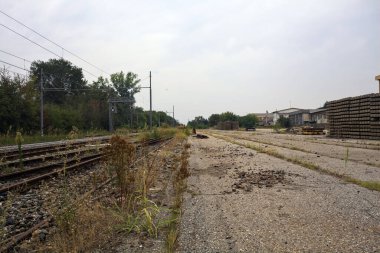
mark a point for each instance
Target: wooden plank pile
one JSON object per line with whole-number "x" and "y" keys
{"x": 355, "y": 117}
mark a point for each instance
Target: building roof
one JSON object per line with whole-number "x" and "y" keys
{"x": 300, "y": 111}
{"x": 318, "y": 110}
{"x": 263, "y": 114}
{"x": 285, "y": 111}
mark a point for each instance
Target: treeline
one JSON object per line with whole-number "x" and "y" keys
{"x": 249, "y": 120}
{"x": 69, "y": 100}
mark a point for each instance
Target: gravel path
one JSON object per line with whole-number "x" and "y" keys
{"x": 365, "y": 156}
{"x": 240, "y": 200}
{"x": 349, "y": 168}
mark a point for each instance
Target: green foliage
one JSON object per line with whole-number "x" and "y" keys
{"x": 69, "y": 100}
{"x": 199, "y": 122}
{"x": 158, "y": 133}
{"x": 249, "y": 120}
{"x": 64, "y": 117}
{"x": 283, "y": 122}
{"x": 18, "y": 106}
{"x": 228, "y": 116}
{"x": 19, "y": 141}
{"x": 213, "y": 119}
{"x": 58, "y": 73}
{"x": 126, "y": 84}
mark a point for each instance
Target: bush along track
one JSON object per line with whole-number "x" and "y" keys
{"x": 119, "y": 206}
{"x": 371, "y": 185}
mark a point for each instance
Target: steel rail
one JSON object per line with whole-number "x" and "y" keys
{"x": 9, "y": 243}
{"x": 21, "y": 186}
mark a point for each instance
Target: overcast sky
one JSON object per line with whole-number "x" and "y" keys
{"x": 212, "y": 56}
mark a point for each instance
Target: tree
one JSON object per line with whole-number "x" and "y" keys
{"x": 95, "y": 104}
{"x": 228, "y": 116}
{"x": 126, "y": 85}
{"x": 213, "y": 120}
{"x": 283, "y": 122}
{"x": 248, "y": 121}
{"x": 58, "y": 74}
{"x": 18, "y": 107}
{"x": 198, "y": 122}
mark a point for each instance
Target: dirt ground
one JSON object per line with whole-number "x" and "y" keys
{"x": 239, "y": 200}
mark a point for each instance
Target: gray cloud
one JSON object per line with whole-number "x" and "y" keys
{"x": 213, "y": 56}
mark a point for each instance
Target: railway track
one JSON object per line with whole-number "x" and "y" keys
{"x": 49, "y": 165}
{"x": 20, "y": 180}
{"x": 11, "y": 153}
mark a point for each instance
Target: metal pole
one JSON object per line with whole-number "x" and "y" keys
{"x": 131, "y": 116}
{"x": 137, "y": 120}
{"x": 150, "y": 90}
{"x": 42, "y": 104}
{"x": 173, "y": 117}
{"x": 110, "y": 116}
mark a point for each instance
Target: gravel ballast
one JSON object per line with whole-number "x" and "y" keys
{"x": 239, "y": 200}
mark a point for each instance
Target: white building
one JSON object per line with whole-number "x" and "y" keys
{"x": 284, "y": 112}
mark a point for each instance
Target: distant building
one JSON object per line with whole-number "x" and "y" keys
{"x": 284, "y": 112}
{"x": 316, "y": 117}
{"x": 319, "y": 116}
{"x": 265, "y": 119}
{"x": 300, "y": 117}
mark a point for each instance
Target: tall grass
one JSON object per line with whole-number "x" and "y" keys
{"x": 9, "y": 139}
{"x": 158, "y": 133}
{"x": 86, "y": 225}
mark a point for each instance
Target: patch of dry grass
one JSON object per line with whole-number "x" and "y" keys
{"x": 179, "y": 186}
{"x": 371, "y": 185}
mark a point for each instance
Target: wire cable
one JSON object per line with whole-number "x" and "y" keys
{"x": 17, "y": 73}
{"x": 10, "y": 29}
{"x": 63, "y": 49}
{"x": 15, "y": 56}
{"x": 10, "y": 64}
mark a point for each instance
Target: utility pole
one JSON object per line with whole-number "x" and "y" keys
{"x": 150, "y": 90}
{"x": 42, "y": 103}
{"x": 110, "y": 117}
{"x": 150, "y": 99}
{"x": 112, "y": 102}
{"x": 173, "y": 117}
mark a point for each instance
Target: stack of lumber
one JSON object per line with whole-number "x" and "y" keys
{"x": 355, "y": 117}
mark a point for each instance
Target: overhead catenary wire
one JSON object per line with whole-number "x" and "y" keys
{"x": 48, "y": 50}
{"x": 16, "y": 73}
{"x": 56, "y": 44}
{"x": 10, "y": 64}
{"x": 5, "y": 52}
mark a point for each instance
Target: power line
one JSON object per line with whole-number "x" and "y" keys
{"x": 17, "y": 73}
{"x": 64, "y": 49}
{"x": 10, "y": 64}
{"x": 10, "y": 29}
{"x": 14, "y": 56}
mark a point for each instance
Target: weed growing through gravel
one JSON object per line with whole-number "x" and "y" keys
{"x": 85, "y": 224}
{"x": 371, "y": 185}
{"x": 121, "y": 155}
{"x": 19, "y": 141}
{"x": 179, "y": 186}
{"x": 346, "y": 158}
